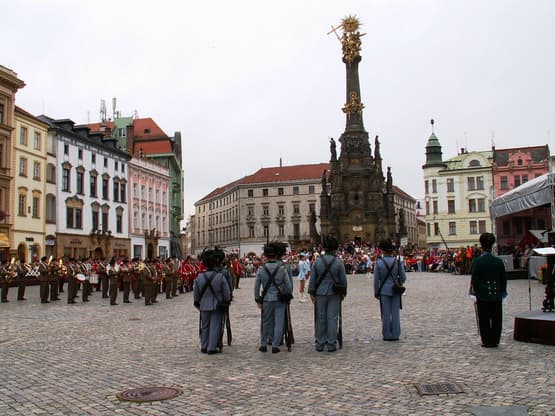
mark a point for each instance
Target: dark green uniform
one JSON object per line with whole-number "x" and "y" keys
{"x": 5, "y": 279}
{"x": 21, "y": 279}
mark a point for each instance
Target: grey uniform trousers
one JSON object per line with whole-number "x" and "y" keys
{"x": 273, "y": 323}
{"x": 391, "y": 320}
{"x": 210, "y": 330}
{"x": 327, "y": 319}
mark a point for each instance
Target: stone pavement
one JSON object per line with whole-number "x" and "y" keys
{"x": 60, "y": 359}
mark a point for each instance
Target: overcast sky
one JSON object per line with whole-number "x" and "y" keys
{"x": 250, "y": 82}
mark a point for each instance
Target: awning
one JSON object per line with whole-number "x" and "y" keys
{"x": 532, "y": 194}
{"x": 4, "y": 241}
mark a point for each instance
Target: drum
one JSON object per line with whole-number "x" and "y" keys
{"x": 80, "y": 276}
{"x": 94, "y": 279}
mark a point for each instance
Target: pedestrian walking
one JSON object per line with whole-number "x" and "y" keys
{"x": 327, "y": 289}
{"x": 489, "y": 286}
{"x": 389, "y": 274}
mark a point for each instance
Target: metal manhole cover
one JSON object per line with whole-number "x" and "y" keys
{"x": 149, "y": 394}
{"x": 439, "y": 388}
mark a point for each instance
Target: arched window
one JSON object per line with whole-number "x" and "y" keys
{"x": 474, "y": 163}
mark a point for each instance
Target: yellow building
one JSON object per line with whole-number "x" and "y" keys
{"x": 28, "y": 186}
{"x": 9, "y": 84}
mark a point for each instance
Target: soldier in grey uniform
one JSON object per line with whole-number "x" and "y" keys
{"x": 387, "y": 270}
{"x": 327, "y": 288}
{"x": 272, "y": 281}
{"x": 210, "y": 289}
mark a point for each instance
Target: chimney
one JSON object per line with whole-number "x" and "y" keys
{"x": 280, "y": 164}
{"x": 130, "y": 139}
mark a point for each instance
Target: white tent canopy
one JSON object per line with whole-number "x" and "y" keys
{"x": 532, "y": 194}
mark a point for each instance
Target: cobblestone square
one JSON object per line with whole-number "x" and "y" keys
{"x": 60, "y": 359}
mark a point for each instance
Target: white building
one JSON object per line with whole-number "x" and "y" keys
{"x": 457, "y": 196}
{"x": 90, "y": 198}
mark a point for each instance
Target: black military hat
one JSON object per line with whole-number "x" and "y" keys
{"x": 211, "y": 256}
{"x": 275, "y": 249}
{"x": 386, "y": 244}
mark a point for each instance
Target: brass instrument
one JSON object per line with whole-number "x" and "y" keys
{"x": 11, "y": 273}
{"x": 62, "y": 269}
{"x": 49, "y": 260}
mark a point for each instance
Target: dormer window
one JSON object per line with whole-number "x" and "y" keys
{"x": 519, "y": 162}
{"x": 147, "y": 131}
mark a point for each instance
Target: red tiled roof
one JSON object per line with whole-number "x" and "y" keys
{"x": 147, "y": 128}
{"x": 95, "y": 127}
{"x": 275, "y": 174}
{"x": 153, "y": 147}
{"x": 143, "y": 128}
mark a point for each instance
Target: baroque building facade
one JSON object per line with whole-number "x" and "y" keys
{"x": 457, "y": 196}
{"x": 278, "y": 203}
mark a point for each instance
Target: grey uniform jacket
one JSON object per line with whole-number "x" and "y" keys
{"x": 380, "y": 273}
{"x": 281, "y": 279}
{"x": 336, "y": 274}
{"x": 220, "y": 286}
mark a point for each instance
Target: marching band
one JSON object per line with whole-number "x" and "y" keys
{"x": 144, "y": 278}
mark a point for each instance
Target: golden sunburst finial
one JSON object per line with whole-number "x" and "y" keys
{"x": 350, "y": 23}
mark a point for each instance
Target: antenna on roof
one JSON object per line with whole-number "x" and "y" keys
{"x": 135, "y": 114}
{"x": 280, "y": 163}
{"x": 114, "y": 101}
{"x": 492, "y": 138}
{"x": 103, "y": 111}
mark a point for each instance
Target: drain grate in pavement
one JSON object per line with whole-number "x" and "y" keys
{"x": 149, "y": 394}
{"x": 134, "y": 319}
{"x": 438, "y": 388}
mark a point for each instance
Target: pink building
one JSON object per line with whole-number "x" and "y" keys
{"x": 149, "y": 185}
{"x": 512, "y": 168}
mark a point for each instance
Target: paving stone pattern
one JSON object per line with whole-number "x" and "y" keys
{"x": 60, "y": 359}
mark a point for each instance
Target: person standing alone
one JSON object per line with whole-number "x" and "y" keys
{"x": 304, "y": 274}
{"x": 489, "y": 285}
